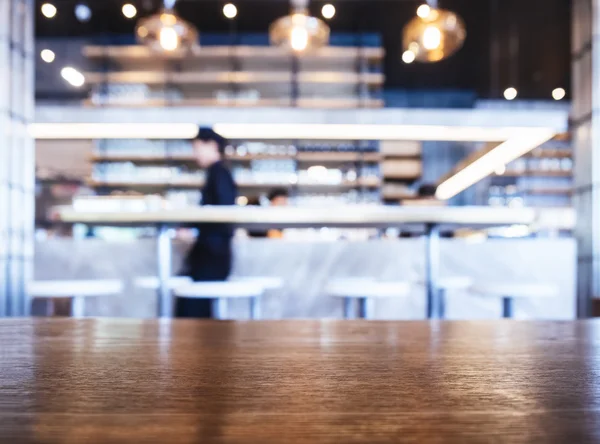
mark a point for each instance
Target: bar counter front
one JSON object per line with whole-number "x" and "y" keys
{"x": 307, "y": 266}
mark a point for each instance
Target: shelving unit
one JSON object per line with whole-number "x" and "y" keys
{"x": 542, "y": 178}
{"x": 238, "y": 76}
{"x": 312, "y": 170}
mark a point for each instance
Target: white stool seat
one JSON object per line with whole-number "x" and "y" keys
{"x": 267, "y": 282}
{"x": 76, "y": 290}
{"x": 365, "y": 291}
{"x": 368, "y": 289}
{"x": 221, "y": 289}
{"x": 508, "y": 291}
{"x": 516, "y": 289}
{"x": 62, "y": 289}
{"x": 451, "y": 282}
{"x": 152, "y": 282}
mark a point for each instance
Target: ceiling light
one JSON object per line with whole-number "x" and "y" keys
{"x": 166, "y": 31}
{"x": 49, "y": 10}
{"x": 510, "y": 93}
{"x": 500, "y": 170}
{"x": 129, "y": 10}
{"x": 299, "y": 31}
{"x": 559, "y": 94}
{"x": 328, "y": 11}
{"x": 72, "y": 76}
{"x": 47, "y": 55}
{"x": 83, "y": 13}
{"x": 408, "y": 56}
{"x": 230, "y": 11}
{"x": 499, "y": 156}
{"x": 423, "y": 11}
{"x": 432, "y": 38}
{"x": 434, "y": 34}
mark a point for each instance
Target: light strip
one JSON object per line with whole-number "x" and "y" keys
{"x": 275, "y": 131}
{"x": 503, "y": 154}
{"x": 113, "y": 130}
{"x": 364, "y": 132}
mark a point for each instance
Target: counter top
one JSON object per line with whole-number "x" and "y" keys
{"x": 128, "y": 381}
{"x": 347, "y": 216}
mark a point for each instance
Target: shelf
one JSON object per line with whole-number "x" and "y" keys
{"x": 232, "y": 77}
{"x": 551, "y": 154}
{"x": 335, "y": 157}
{"x": 547, "y": 192}
{"x": 140, "y": 52}
{"x": 537, "y": 174}
{"x": 318, "y": 103}
{"x": 373, "y": 183}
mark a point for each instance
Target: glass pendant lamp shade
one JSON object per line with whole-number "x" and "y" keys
{"x": 434, "y": 34}
{"x": 299, "y": 31}
{"x": 166, "y": 32}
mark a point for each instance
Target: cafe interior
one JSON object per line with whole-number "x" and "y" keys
{"x": 392, "y": 239}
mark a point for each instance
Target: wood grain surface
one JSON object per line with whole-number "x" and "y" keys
{"x": 124, "y": 381}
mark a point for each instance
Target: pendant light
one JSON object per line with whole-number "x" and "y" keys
{"x": 299, "y": 31}
{"x": 166, "y": 31}
{"x": 433, "y": 35}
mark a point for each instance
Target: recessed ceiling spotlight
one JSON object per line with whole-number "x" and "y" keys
{"x": 49, "y": 10}
{"x": 47, "y": 55}
{"x": 129, "y": 10}
{"x": 559, "y": 94}
{"x": 408, "y": 56}
{"x": 328, "y": 11}
{"x": 230, "y": 11}
{"x": 510, "y": 93}
{"x": 83, "y": 13}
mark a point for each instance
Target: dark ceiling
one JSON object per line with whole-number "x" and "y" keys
{"x": 521, "y": 43}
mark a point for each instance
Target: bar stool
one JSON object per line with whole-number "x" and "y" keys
{"x": 446, "y": 284}
{"x": 509, "y": 291}
{"x": 222, "y": 291}
{"x": 76, "y": 291}
{"x": 365, "y": 291}
{"x": 450, "y": 283}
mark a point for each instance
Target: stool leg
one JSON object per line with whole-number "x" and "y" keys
{"x": 348, "y": 308}
{"x": 507, "y": 307}
{"x": 366, "y": 308}
{"x": 219, "y": 308}
{"x": 77, "y": 307}
{"x": 442, "y": 304}
{"x": 49, "y": 307}
{"x": 255, "y": 308}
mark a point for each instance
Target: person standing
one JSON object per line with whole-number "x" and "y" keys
{"x": 210, "y": 258}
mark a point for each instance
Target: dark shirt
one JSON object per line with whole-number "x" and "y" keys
{"x": 210, "y": 257}
{"x": 219, "y": 189}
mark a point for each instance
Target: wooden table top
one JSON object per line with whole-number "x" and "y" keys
{"x": 103, "y": 381}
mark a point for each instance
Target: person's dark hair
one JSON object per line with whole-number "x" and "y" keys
{"x": 208, "y": 134}
{"x": 278, "y": 192}
{"x": 427, "y": 190}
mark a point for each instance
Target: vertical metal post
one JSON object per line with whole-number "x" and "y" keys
{"x": 349, "y": 308}
{"x": 219, "y": 308}
{"x": 78, "y": 306}
{"x": 165, "y": 303}
{"x": 507, "y": 307}
{"x": 366, "y": 308}
{"x": 432, "y": 265}
{"x": 442, "y": 303}
{"x": 295, "y": 86}
{"x": 255, "y": 311}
